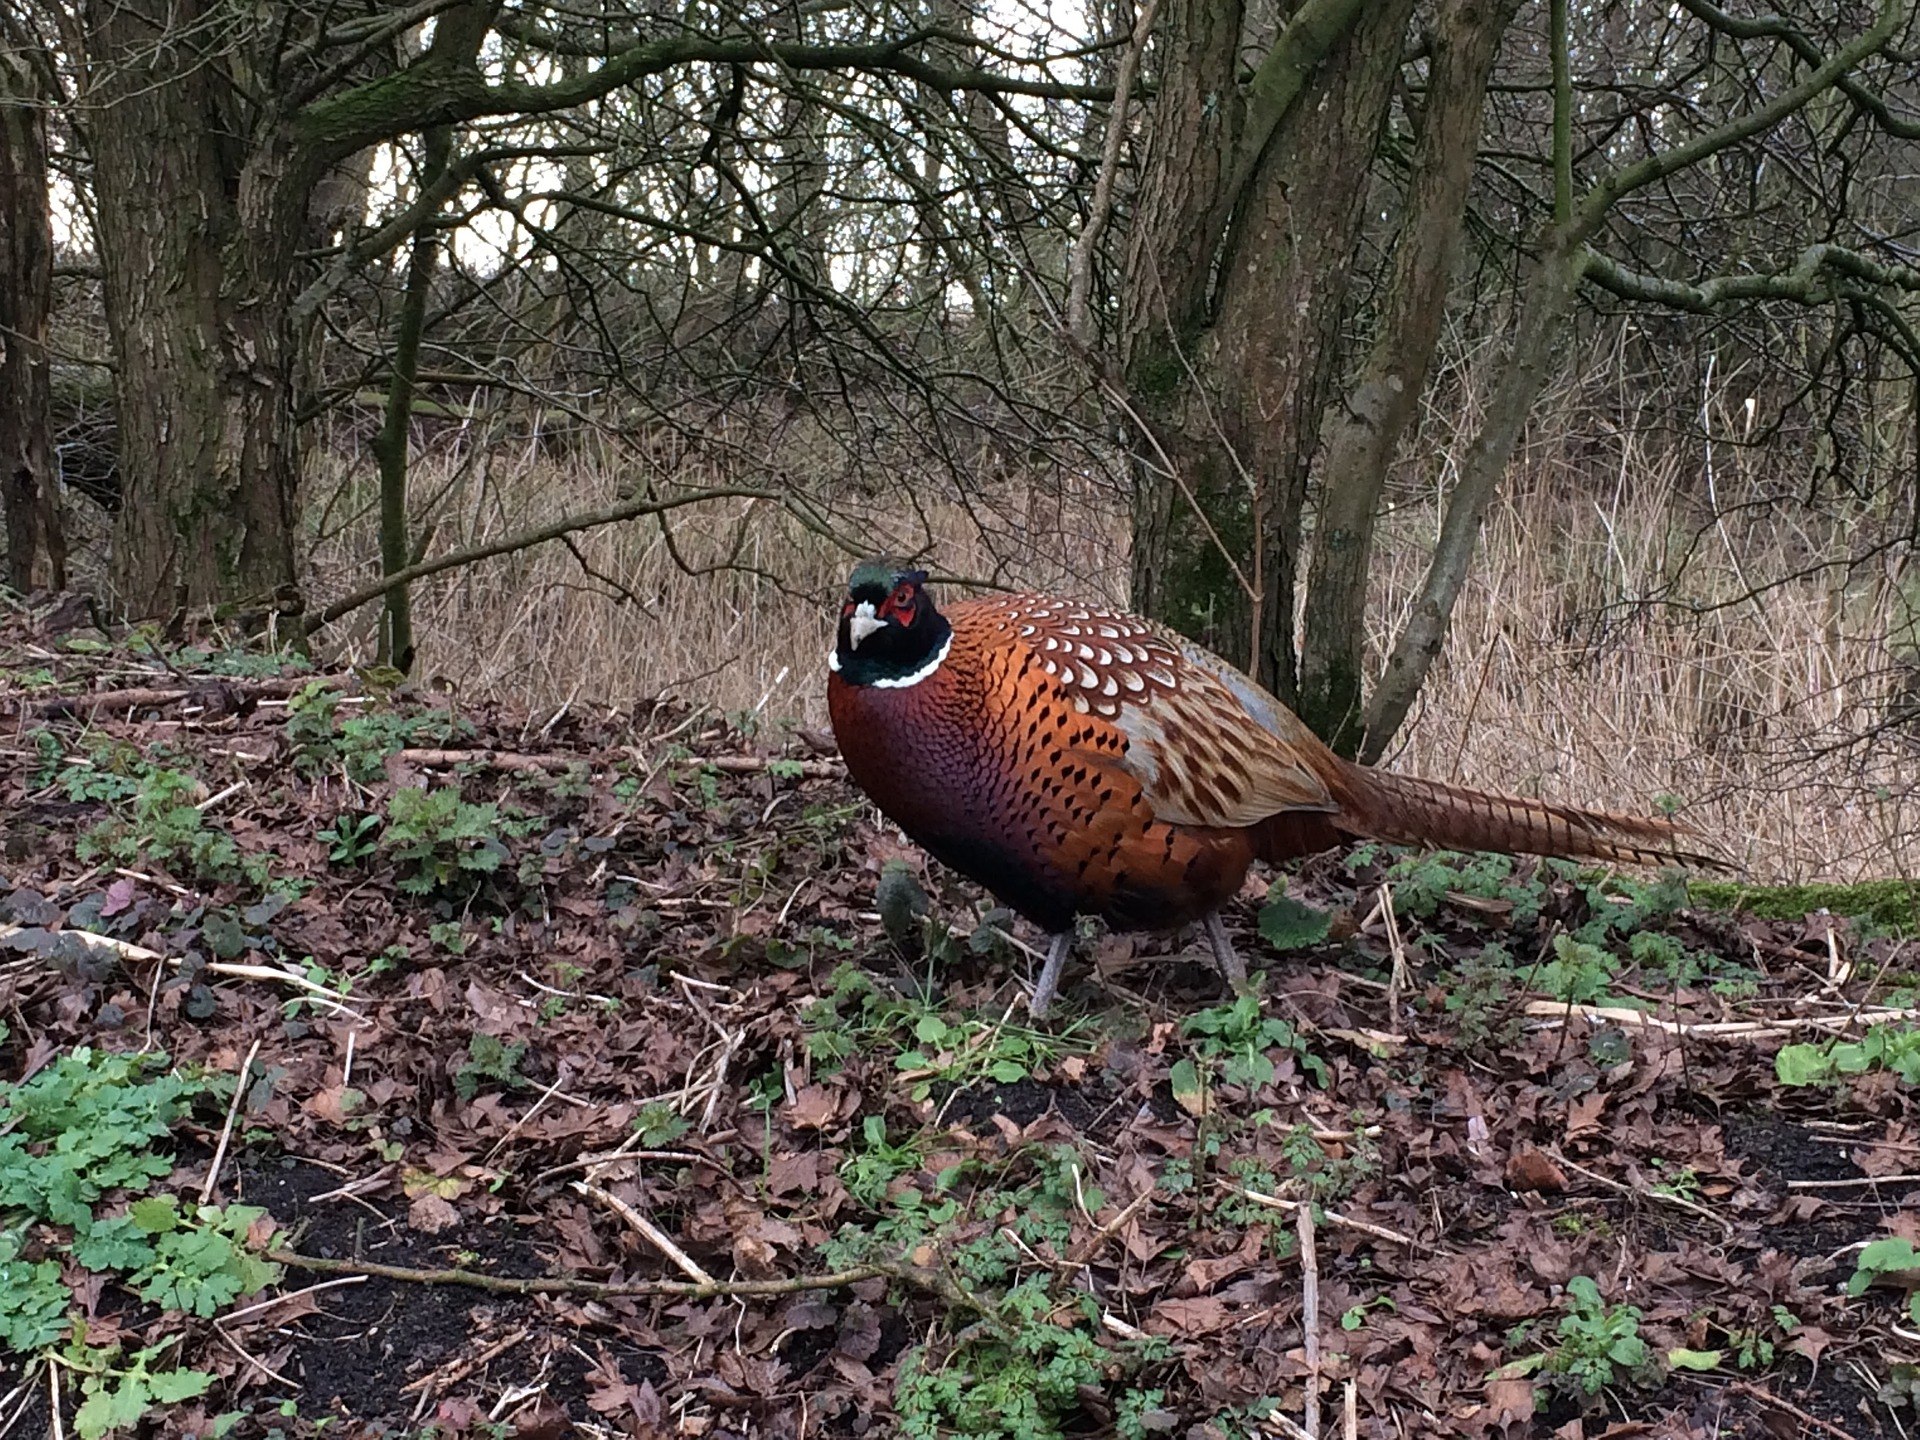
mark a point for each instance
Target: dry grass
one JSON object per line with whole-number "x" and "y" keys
{"x": 1559, "y": 680}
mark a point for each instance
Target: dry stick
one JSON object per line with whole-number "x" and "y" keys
{"x": 1310, "y": 1317}
{"x": 655, "y": 1236}
{"x": 916, "y": 1275}
{"x": 139, "y": 954}
{"x": 1089, "y": 1247}
{"x": 1350, "y": 1412}
{"x": 1853, "y": 1184}
{"x": 1660, "y": 1195}
{"x": 526, "y": 539}
{"x": 1332, "y": 1217}
{"x": 456, "y": 1373}
{"x": 1767, "y": 1397}
{"x": 246, "y": 1312}
{"x": 1555, "y": 1010}
{"x": 226, "y": 1130}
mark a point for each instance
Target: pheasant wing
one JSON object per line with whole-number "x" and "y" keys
{"x": 1208, "y": 746}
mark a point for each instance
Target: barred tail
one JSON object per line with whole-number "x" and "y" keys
{"x": 1407, "y": 810}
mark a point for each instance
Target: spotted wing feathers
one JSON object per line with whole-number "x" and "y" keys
{"x": 1207, "y": 745}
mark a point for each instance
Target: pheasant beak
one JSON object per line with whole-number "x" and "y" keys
{"x": 862, "y": 623}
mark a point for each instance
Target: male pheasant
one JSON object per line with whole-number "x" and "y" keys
{"x": 1075, "y": 760}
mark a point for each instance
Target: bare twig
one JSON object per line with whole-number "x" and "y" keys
{"x": 654, "y": 1235}
{"x": 1332, "y": 1217}
{"x": 1310, "y": 1316}
{"x": 226, "y": 1130}
{"x": 918, "y": 1276}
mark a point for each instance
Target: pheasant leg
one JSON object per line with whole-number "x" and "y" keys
{"x": 1048, "y": 985}
{"x": 1229, "y": 961}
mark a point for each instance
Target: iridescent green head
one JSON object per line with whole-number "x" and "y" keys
{"x": 891, "y": 633}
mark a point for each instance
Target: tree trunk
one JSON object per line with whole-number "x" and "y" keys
{"x": 198, "y": 215}
{"x": 1368, "y": 426}
{"x": 390, "y": 446}
{"x": 1542, "y": 307}
{"x": 29, "y": 491}
{"x": 1230, "y": 351}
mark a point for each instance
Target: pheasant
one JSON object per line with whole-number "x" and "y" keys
{"x": 1076, "y": 760}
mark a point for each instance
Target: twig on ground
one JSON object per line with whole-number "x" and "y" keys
{"x": 139, "y": 954}
{"x": 1089, "y": 1247}
{"x": 226, "y": 1130}
{"x": 247, "y": 1312}
{"x": 459, "y": 1371}
{"x": 918, "y": 1276}
{"x": 654, "y": 1235}
{"x": 254, "y": 1360}
{"x": 1556, "y": 1012}
{"x": 1310, "y": 1316}
{"x": 1787, "y": 1407}
{"x": 1666, "y": 1198}
{"x": 1332, "y": 1217}
{"x": 1853, "y": 1183}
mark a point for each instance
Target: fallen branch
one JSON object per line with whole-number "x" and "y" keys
{"x": 526, "y": 540}
{"x": 1555, "y": 1010}
{"x": 918, "y": 1276}
{"x": 653, "y": 1234}
{"x": 132, "y": 954}
{"x": 223, "y": 690}
{"x": 726, "y": 764}
{"x": 1332, "y": 1217}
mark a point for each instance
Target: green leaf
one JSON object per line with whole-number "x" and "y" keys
{"x": 170, "y": 1387}
{"x": 1801, "y": 1064}
{"x": 1681, "y": 1358}
{"x": 156, "y": 1214}
{"x": 1288, "y": 925}
{"x": 1189, "y": 1091}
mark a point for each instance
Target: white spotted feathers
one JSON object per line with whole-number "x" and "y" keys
{"x": 1208, "y": 746}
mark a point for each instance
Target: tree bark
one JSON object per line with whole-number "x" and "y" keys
{"x": 1367, "y": 427}
{"x": 390, "y": 446}
{"x": 29, "y": 489}
{"x": 198, "y": 213}
{"x": 1230, "y": 350}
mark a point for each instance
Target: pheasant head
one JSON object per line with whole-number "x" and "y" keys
{"x": 891, "y": 633}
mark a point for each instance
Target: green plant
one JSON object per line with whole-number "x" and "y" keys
{"x": 1893, "y": 1260}
{"x": 659, "y": 1125}
{"x": 1596, "y": 1338}
{"x": 116, "y": 1396}
{"x": 351, "y": 838}
{"x": 868, "y": 1171}
{"x": 1239, "y": 1037}
{"x": 1018, "y": 1375}
{"x": 856, "y": 1017}
{"x": 488, "y": 1058}
{"x": 1580, "y": 972}
{"x": 160, "y": 826}
{"x": 74, "y": 1138}
{"x": 440, "y": 838}
{"x": 1888, "y": 1047}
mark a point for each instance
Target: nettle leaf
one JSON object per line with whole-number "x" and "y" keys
{"x": 1288, "y": 925}
{"x": 1189, "y": 1090}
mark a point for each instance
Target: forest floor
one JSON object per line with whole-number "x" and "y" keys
{"x": 585, "y": 1093}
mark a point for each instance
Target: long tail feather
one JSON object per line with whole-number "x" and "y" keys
{"x": 1407, "y": 810}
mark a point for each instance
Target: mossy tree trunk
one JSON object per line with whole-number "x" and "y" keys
{"x": 1250, "y": 206}
{"x": 1378, "y": 408}
{"x": 196, "y": 237}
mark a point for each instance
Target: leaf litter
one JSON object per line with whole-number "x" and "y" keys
{"x": 589, "y": 1095}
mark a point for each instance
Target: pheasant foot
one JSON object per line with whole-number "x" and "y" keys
{"x": 1048, "y": 985}
{"x": 1228, "y": 959}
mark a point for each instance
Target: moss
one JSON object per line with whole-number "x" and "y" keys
{"x": 1891, "y": 903}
